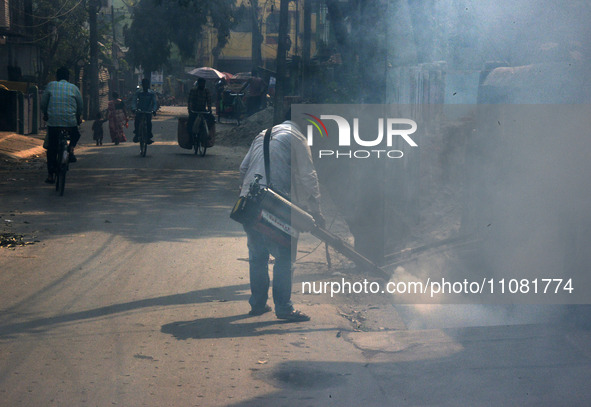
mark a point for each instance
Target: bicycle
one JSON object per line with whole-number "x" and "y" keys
{"x": 142, "y": 131}
{"x": 231, "y": 106}
{"x": 63, "y": 160}
{"x": 200, "y": 133}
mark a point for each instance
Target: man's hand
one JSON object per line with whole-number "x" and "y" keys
{"x": 154, "y": 114}
{"x": 45, "y": 117}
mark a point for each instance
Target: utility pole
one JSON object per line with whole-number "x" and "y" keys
{"x": 93, "y": 8}
{"x": 281, "y": 61}
{"x": 114, "y": 78}
{"x": 307, "y": 41}
{"x": 307, "y": 32}
{"x": 256, "y": 38}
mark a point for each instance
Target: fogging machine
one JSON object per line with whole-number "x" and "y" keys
{"x": 269, "y": 212}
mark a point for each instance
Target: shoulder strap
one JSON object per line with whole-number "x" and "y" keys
{"x": 266, "y": 155}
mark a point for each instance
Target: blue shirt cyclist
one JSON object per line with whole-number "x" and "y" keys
{"x": 144, "y": 104}
{"x": 62, "y": 107}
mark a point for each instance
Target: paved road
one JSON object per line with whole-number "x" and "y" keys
{"x": 134, "y": 294}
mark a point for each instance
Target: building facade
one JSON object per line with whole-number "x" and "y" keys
{"x": 236, "y": 56}
{"x": 19, "y": 55}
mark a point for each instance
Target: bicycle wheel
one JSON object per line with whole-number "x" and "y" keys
{"x": 201, "y": 147}
{"x": 195, "y": 134}
{"x": 60, "y": 183}
{"x": 196, "y": 143}
{"x": 143, "y": 137}
{"x": 143, "y": 147}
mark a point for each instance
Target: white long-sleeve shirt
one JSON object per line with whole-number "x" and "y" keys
{"x": 292, "y": 169}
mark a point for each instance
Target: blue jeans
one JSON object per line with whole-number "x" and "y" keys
{"x": 259, "y": 248}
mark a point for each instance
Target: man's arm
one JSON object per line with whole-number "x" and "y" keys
{"x": 307, "y": 173}
{"x": 134, "y": 102}
{"x": 79, "y": 104}
{"x": 189, "y": 101}
{"x": 154, "y": 102}
{"x": 45, "y": 102}
{"x": 263, "y": 87}
{"x": 244, "y": 166}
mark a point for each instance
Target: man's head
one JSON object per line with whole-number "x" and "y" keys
{"x": 201, "y": 83}
{"x": 62, "y": 73}
{"x": 145, "y": 84}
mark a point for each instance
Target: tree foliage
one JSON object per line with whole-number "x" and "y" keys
{"x": 158, "y": 24}
{"x": 147, "y": 38}
{"x": 59, "y": 30}
{"x": 253, "y": 12}
{"x": 360, "y": 37}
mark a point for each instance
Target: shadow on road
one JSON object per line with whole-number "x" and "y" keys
{"x": 36, "y": 326}
{"x": 235, "y": 326}
{"x": 181, "y": 330}
{"x": 142, "y": 205}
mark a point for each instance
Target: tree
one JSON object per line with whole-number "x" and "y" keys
{"x": 147, "y": 38}
{"x": 358, "y": 29}
{"x": 59, "y": 28}
{"x": 256, "y": 17}
{"x": 158, "y": 24}
{"x": 93, "y": 71}
{"x": 254, "y": 13}
{"x": 223, "y": 16}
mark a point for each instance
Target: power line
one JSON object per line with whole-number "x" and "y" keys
{"x": 50, "y": 18}
{"x": 58, "y": 15}
{"x": 45, "y": 36}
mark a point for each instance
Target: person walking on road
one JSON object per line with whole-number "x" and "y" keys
{"x": 117, "y": 119}
{"x": 255, "y": 89}
{"x": 62, "y": 106}
{"x": 97, "y": 129}
{"x": 299, "y": 183}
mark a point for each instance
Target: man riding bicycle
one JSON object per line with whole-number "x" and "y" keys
{"x": 61, "y": 105}
{"x": 199, "y": 101}
{"x": 144, "y": 101}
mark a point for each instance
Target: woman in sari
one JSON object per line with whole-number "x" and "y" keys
{"x": 117, "y": 119}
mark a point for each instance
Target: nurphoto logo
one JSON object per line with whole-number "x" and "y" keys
{"x": 359, "y": 141}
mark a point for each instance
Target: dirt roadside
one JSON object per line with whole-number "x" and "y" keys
{"x": 19, "y": 151}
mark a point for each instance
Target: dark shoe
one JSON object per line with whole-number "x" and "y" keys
{"x": 50, "y": 179}
{"x": 294, "y": 316}
{"x": 73, "y": 158}
{"x": 136, "y": 139}
{"x": 266, "y": 309}
{"x": 150, "y": 141}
